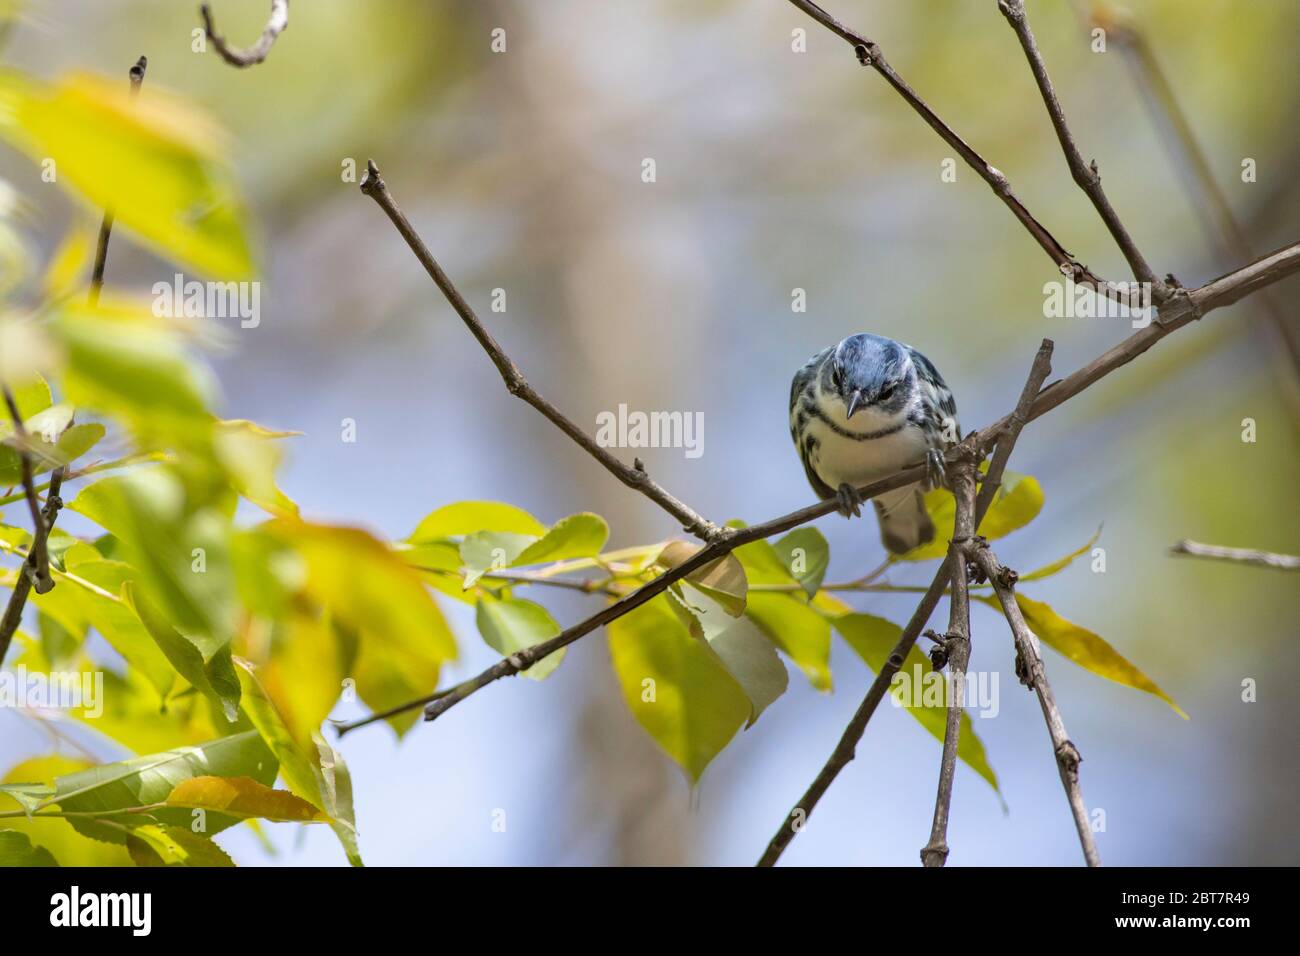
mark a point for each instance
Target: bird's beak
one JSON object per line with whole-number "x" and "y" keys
{"x": 855, "y": 402}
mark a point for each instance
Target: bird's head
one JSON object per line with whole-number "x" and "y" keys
{"x": 870, "y": 372}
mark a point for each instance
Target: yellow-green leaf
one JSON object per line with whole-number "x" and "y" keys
{"x": 676, "y": 688}
{"x": 512, "y": 624}
{"x": 1060, "y": 564}
{"x": 153, "y": 159}
{"x": 1016, "y": 503}
{"x": 874, "y": 639}
{"x": 1088, "y": 650}
{"x": 467, "y": 517}
{"x": 797, "y": 629}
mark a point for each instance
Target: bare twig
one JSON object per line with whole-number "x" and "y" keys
{"x": 40, "y": 564}
{"x": 956, "y": 648}
{"x": 1261, "y": 559}
{"x": 27, "y": 577}
{"x": 870, "y": 54}
{"x": 1030, "y": 662}
{"x": 136, "y": 76}
{"x": 634, "y": 477}
{"x": 275, "y": 25}
{"x": 1007, "y": 431}
{"x": 1085, "y": 175}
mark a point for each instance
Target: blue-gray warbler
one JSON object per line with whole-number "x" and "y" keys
{"x": 864, "y": 409}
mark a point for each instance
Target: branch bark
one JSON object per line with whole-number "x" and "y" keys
{"x": 275, "y": 25}
{"x": 1260, "y": 559}
{"x": 956, "y": 648}
{"x": 1085, "y": 175}
{"x": 634, "y": 477}
{"x": 870, "y": 54}
{"x": 1030, "y": 666}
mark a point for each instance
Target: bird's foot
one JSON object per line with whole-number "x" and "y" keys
{"x": 936, "y": 474}
{"x": 850, "y": 502}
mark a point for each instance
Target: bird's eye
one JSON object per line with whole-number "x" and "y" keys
{"x": 887, "y": 393}
{"x": 835, "y": 377}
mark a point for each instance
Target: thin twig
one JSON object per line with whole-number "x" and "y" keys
{"x": 136, "y": 76}
{"x": 634, "y": 477}
{"x": 1007, "y": 432}
{"x": 956, "y": 648}
{"x": 1030, "y": 664}
{"x": 40, "y": 564}
{"x": 1085, "y": 175}
{"x": 275, "y": 25}
{"x": 870, "y": 54}
{"x": 1261, "y": 559}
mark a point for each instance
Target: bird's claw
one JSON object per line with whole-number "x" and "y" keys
{"x": 850, "y": 502}
{"x": 936, "y": 474}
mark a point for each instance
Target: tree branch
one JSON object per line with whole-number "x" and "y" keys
{"x": 136, "y": 77}
{"x": 956, "y": 649}
{"x": 1085, "y": 175}
{"x": 275, "y": 25}
{"x": 1007, "y": 431}
{"x": 1030, "y": 666}
{"x": 1261, "y": 559}
{"x": 870, "y": 54}
{"x": 634, "y": 477}
{"x": 40, "y": 563}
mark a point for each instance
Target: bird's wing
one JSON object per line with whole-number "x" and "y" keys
{"x": 939, "y": 403}
{"x": 803, "y": 382}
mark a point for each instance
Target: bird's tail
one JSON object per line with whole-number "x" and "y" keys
{"x": 904, "y": 522}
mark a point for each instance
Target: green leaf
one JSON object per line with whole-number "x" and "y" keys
{"x": 722, "y": 580}
{"x": 874, "y": 639}
{"x": 75, "y": 607}
{"x": 1085, "y": 648}
{"x": 153, "y": 845}
{"x": 181, "y": 553}
{"x": 16, "y": 849}
{"x": 469, "y": 517}
{"x": 577, "y": 536}
{"x": 798, "y": 630}
{"x": 1017, "y": 502}
{"x": 512, "y": 624}
{"x": 126, "y": 363}
{"x": 245, "y": 798}
{"x": 806, "y": 554}
{"x": 213, "y": 676}
{"x": 52, "y": 441}
{"x": 676, "y": 688}
{"x": 152, "y": 159}
{"x": 487, "y": 551}
{"x": 1060, "y": 564}
{"x": 251, "y": 454}
{"x": 752, "y": 660}
{"x": 109, "y": 789}
{"x": 312, "y": 770}
{"x": 68, "y": 846}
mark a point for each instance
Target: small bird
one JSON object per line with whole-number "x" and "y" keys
{"x": 864, "y": 409}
